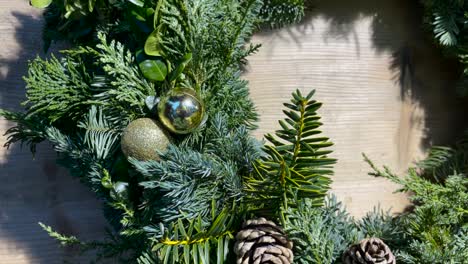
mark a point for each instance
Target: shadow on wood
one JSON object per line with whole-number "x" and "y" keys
{"x": 35, "y": 189}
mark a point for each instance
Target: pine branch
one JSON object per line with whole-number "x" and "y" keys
{"x": 447, "y": 19}
{"x": 444, "y": 161}
{"x": 147, "y": 258}
{"x": 230, "y": 144}
{"x": 296, "y": 164}
{"x": 27, "y": 130}
{"x": 446, "y": 29}
{"x": 64, "y": 240}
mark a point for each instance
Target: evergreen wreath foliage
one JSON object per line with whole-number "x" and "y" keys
{"x": 436, "y": 229}
{"x": 188, "y": 206}
{"x": 449, "y": 22}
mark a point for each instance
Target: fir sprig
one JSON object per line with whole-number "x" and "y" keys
{"x": 296, "y": 164}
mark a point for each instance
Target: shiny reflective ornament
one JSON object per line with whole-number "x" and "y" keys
{"x": 143, "y": 138}
{"x": 181, "y": 110}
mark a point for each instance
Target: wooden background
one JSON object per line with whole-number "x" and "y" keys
{"x": 386, "y": 92}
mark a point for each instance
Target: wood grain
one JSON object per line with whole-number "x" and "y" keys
{"x": 386, "y": 92}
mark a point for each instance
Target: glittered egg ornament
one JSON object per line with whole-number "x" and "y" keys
{"x": 143, "y": 138}
{"x": 181, "y": 110}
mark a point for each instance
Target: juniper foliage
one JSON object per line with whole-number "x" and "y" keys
{"x": 435, "y": 231}
{"x": 320, "y": 234}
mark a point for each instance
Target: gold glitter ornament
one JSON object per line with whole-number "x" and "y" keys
{"x": 143, "y": 138}
{"x": 181, "y": 110}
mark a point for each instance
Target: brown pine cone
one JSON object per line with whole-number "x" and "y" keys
{"x": 262, "y": 242}
{"x": 369, "y": 251}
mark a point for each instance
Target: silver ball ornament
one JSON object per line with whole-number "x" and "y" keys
{"x": 181, "y": 110}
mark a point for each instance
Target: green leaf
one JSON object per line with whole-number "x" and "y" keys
{"x": 137, "y": 2}
{"x": 106, "y": 180}
{"x": 201, "y": 252}
{"x": 220, "y": 254}
{"x": 91, "y": 4}
{"x": 152, "y": 44}
{"x": 226, "y": 246}
{"x": 175, "y": 254}
{"x": 154, "y": 70}
{"x": 137, "y": 15}
{"x": 149, "y": 12}
{"x": 195, "y": 254}
{"x": 165, "y": 254}
{"x": 187, "y": 254}
{"x": 40, "y": 3}
{"x": 293, "y": 115}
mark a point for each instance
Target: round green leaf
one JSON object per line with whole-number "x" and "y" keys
{"x": 40, "y": 3}
{"x": 154, "y": 70}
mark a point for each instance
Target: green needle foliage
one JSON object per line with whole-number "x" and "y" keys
{"x": 57, "y": 88}
{"x": 445, "y": 161}
{"x": 28, "y": 130}
{"x": 436, "y": 231}
{"x": 296, "y": 164}
{"x": 448, "y": 19}
{"x": 320, "y": 234}
{"x": 278, "y": 13}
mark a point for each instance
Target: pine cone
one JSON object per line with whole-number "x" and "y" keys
{"x": 369, "y": 251}
{"x": 262, "y": 242}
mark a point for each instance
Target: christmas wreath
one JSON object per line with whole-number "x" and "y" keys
{"x": 150, "y": 111}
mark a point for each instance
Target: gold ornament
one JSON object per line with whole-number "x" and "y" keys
{"x": 181, "y": 110}
{"x": 142, "y": 138}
